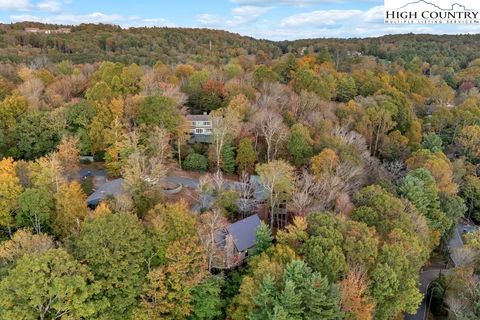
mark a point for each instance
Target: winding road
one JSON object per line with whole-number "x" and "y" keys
{"x": 455, "y": 246}
{"x": 426, "y": 277}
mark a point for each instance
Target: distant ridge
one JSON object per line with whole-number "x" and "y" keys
{"x": 432, "y": 4}
{"x": 91, "y": 43}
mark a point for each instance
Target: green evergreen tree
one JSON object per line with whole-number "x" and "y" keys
{"x": 264, "y": 238}
{"x": 287, "y": 68}
{"x": 265, "y": 299}
{"x": 420, "y": 188}
{"x": 396, "y": 276}
{"x": 301, "y": 294}
{"x": 449, "y": 78}
{"x": 195, "y": 162}
{"x": 321, "y": 300}
{"x": 290, "y": 300}
{"x": 279, "y": 313}
{"x": 37, "y": 134}
{"x": 432, "y": 142}
{"x": 206, "y": 300}
{"x": 300, "y": 144}
{"x": 246, "y": 156}
{"x": 324, "y": 256}
{"x": 454, "y": 207}
{"x": 228, "y": 159}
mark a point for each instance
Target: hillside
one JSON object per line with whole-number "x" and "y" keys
{"x": 93, "y": 43}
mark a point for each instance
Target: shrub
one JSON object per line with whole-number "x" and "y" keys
{"x": 87, "y": 185}
{"x": 228, "y": 201}
{"x": 85, "y": 161}
{"x": 99, "y": 156}
{"x": 195, "y": 162}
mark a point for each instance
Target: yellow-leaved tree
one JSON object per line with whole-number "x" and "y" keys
{"x": 71, "y": 209}
{"x": 10, "y": 190}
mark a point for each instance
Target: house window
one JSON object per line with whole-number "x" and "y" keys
{"x": 198, "y": 131}
{"x": 208, "y": 130}
{"x": 206, "y": 123}
{"x": 193, "y": 123}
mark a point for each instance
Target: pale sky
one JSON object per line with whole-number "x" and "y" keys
{"x": 269, "y": 19}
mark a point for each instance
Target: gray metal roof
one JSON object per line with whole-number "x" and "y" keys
{"x": 198, "y": 117}
{"x": 111, "y": 188}
{"x": 244, "y": 232}
{"x": 260, "y": 193}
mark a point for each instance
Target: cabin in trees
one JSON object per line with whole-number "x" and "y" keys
{"x": 200, "y": 127}
{"x": 236, "y": 241}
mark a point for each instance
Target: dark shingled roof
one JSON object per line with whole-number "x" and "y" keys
{"x": 244, "y": 232}
{"x": 111, "y": 188}
{"x": 201, "y": 138}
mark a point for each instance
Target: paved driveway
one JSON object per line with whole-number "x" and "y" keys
{"x": 184, "y": 181}
{"x": 455, "y": 246}
{"x": 426, "y": 277}
{"x": 456, "y": 242}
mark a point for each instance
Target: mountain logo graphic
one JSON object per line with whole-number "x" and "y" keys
{"x": 452, "y": 7}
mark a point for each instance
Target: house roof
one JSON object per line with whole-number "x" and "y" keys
{"x": 111, "y": 188}
{"x": 260, "y": 193}
{"x": 200, "y": 138}
{"x": 198, "y": 117}
{"x": 244, "y": 232}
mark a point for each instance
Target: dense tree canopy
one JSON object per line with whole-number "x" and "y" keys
{"x": 359, "y": 156}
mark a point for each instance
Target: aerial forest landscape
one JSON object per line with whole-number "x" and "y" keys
{"x": 210, "y": 172}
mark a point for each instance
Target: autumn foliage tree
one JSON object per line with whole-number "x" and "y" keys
{"x": 438, "y": 165}
{"x": 70, "y": 209}
{"x": 69, "y": 156}
{"x": 10, "y": 190}
{"x": 355, "y": 300}
{"x": 366, "y": 153}
{"x": 277, "y": 178}
{"x": 63, "y": 287}
{"x": 119, "y": 264}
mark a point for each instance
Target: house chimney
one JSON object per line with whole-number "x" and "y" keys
{"x": 204, "y": 113}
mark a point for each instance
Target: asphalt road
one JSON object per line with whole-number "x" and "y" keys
{"x": 185, "y": 181}
{"x": 454, "y": 246}
{"x": 426, "y": 277}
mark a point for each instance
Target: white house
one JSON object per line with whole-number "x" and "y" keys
{"x": 200, "y": 124}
